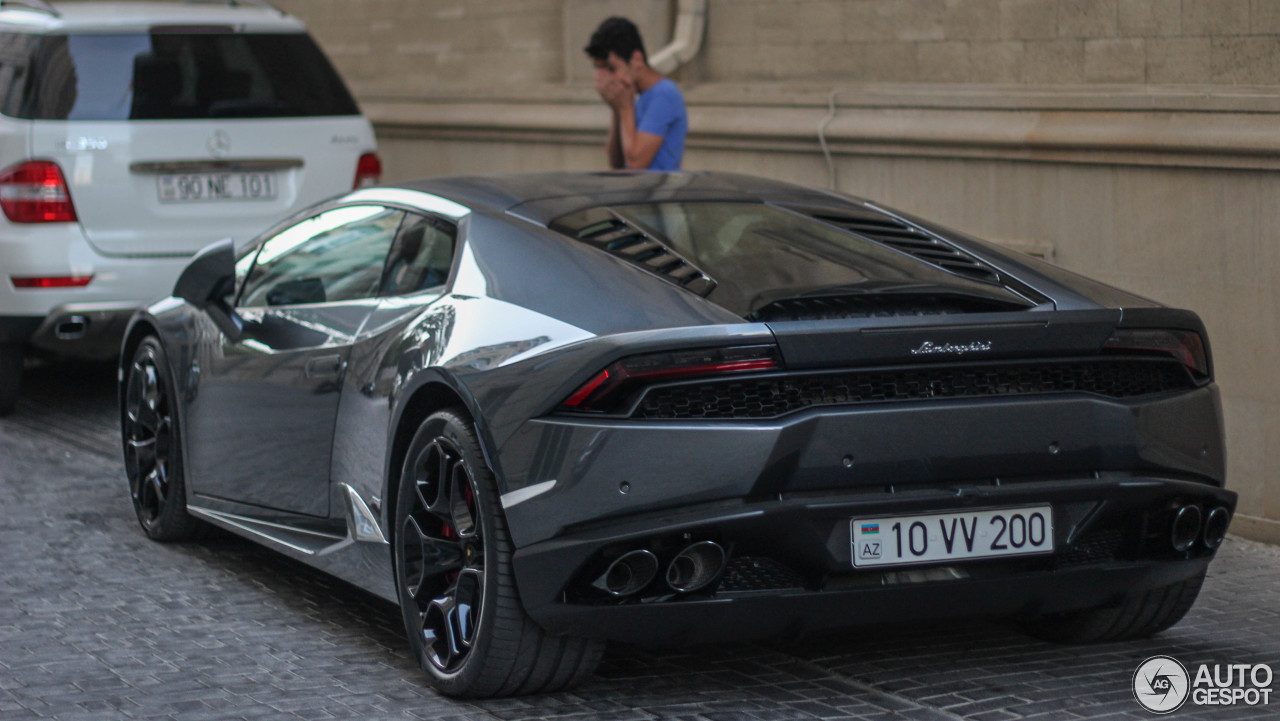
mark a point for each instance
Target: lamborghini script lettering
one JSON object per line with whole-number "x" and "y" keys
{"x": 930, "y": 348}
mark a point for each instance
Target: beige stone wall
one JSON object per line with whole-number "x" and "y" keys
{"x": 1134, "y": 139}
{"x": 402, "y": 46}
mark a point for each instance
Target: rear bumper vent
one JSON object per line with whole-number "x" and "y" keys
{"x": 773, "y": 396}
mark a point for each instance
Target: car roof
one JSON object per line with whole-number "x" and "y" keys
{"x": 542, "y": 197}
{"x": 140, "y": 16}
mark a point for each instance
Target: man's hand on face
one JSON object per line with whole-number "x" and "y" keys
{"x": 615, "y": 87}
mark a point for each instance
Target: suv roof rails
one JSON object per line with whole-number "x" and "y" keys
{"x": 37, "y": 5}
{"x": 234, "y": 3}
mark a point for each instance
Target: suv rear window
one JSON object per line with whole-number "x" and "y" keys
{"x": 168, "y": 75}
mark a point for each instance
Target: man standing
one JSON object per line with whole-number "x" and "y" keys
{"x": 649, "y": 119}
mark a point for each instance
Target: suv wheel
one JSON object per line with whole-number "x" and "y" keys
{"x": 10, "y": 376}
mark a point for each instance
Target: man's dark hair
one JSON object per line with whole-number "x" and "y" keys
{"x": 619, "y": 36}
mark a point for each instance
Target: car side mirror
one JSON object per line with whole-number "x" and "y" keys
{"x": 206, "y": 282}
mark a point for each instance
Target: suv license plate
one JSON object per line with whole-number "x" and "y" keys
{"x": 934, "y": 537}
{"x": 193, "y": 187}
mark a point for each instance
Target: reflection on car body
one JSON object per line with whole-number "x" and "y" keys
{"x": 676, "y": 408}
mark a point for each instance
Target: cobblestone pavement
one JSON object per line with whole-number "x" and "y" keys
{"x": 96, "y": 623}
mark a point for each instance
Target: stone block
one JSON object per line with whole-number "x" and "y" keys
{"x": 820, "y": 21}
{"x": 1215, "y": 17}
{"x": 1053, "y": 61}
{"x": 890, "y": 62}
{"x": 777, "y": 23}
{"x": 1249, "y": 60}
{"x": 1178, "y": 60}
{"x": 1114, "y": 61}
{"x": 841, "y": 61}
{"x": 1149, "y": 18}
{"x": 1086, "y": 18}
{"x": 1264, "y": 16}
{"x": 730, "y": 23}
{"x": 917, "y": 19}
{"x": 971, "y": 20}
{"x": 1028, "y": 19}
{"x": 995, "y": 62}
{"x": 945, "y": 62}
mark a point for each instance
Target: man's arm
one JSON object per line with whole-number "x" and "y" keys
{"x": 613, "y": 146}
{"x": 638, "y": 147}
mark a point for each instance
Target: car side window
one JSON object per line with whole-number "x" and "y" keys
{"x": 334, "y": 256}
{"x": 421, "y": 256}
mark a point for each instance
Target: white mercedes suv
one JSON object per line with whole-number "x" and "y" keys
{"x": 133, "y": 135}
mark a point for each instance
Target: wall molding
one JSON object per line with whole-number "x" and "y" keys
{"x": 1171, "y": 127}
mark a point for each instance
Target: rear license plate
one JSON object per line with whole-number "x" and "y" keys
{"x": 934, "y": 537}
{"x": 193, "y": 187}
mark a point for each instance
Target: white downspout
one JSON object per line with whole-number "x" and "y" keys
{"x": 691, "y": 19}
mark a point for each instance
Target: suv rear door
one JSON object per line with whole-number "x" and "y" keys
{"x": 177, "y": 137}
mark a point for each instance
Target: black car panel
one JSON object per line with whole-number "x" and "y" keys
{"x": 636, "y": 458}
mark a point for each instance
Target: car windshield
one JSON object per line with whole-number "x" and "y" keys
{"x": 166, "y": 75}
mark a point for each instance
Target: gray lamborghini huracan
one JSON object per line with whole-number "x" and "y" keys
{"x": 543, "y": 411}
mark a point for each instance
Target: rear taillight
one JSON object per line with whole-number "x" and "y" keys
{"x": 611, "y": 387}
{"x": 368, "y": 171}
{"x": 36, "y": 192}
{"x": 1184, "y": 345}
{"x": 50, "y": 281}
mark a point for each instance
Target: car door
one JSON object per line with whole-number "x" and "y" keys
{"x": 261, "y": 431}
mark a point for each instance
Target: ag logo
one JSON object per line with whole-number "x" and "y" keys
{"x": 1161, "y": 684}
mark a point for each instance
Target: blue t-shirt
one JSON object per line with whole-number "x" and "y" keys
{"x": 660, "y": 111}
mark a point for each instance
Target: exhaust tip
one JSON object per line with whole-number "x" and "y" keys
{"x": 695, "y": 566}
{"x": 1215, "y": 526}
{"x": 1186, "y": 527}
{"x": 631, "y": 572}
{"x": 71, "y": 328}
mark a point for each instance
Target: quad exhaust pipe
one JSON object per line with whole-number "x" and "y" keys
{"x": 696, "y": 566}
{"x": 691, "y": 569}
{"x": 630, "y": 573}
{"x": 1215, "y": 526}
{"x": 1186, "y": 527}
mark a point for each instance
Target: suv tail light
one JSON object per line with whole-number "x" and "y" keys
{"x": 1187, "y": 346}
{"x": 368, "y": 171}
{"x": 609, "y": 388}
{"x": 36, "y": 192}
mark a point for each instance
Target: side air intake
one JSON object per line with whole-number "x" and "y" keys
{"x": 908, "y": 239}
{"x": 615, "y": 236}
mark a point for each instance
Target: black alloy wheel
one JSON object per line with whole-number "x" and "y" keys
{"x": 153, "y": 448}
{"x": 443, "y": 550}
{"x": 454, "y": 576}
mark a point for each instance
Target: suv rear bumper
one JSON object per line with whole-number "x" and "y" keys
{"x": 83, "y": 322}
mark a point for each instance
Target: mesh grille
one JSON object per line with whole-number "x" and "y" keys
{"x": 770, "y": 397}
{"x": 758, "y": 574}
{"x": 1097, "y": 547}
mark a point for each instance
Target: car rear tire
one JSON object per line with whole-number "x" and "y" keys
{"x": 454, "y": 577}
{"x": 10, "y": 376}
{"x": 153, "y": 447}
{"x": 1138, "y": 616}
